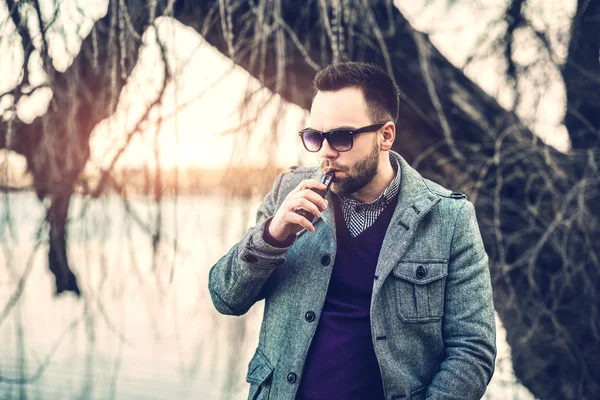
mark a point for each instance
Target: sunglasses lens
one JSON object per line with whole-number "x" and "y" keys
{"x": 340, "y": 140}
{"x": 312, "y": 140}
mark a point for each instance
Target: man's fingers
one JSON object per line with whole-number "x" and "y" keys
{"x": 303, "y": 198}
{"x": 301, "y": 186}
{"x": 308, "y": 206}
{"x": 315, "y": 198}
{"x": 300, "y": 220}
{"x": 309, "y": 184}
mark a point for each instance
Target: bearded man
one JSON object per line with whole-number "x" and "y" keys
{"x": 380, "y": 290}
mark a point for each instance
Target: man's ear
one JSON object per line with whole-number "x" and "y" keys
{"x": 388, "y": 136}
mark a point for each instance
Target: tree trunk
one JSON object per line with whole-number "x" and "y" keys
{"x": 56, "y": 145}
{"x": 57, "y": 255}
{"x": 581, "y": 73}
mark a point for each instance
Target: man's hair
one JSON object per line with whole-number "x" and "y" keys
{"x": 379, "y": 89}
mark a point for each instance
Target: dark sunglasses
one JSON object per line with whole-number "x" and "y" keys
{"x": 340, "y": 140}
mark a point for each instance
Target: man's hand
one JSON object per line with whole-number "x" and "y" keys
{"x": 287, "y": 221}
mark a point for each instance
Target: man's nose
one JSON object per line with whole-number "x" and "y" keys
{"x": 326, "y": 151}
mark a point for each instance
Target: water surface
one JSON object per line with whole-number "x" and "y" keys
{"x": 145, "y": 327}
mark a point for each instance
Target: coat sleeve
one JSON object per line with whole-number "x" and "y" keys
{"x": 235, "y": 282}
{"x": 469, "y": 323}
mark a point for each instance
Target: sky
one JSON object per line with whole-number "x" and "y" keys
{"x": 207, "y": 87}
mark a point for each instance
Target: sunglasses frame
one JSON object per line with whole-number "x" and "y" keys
{"x": 352, "y": 132}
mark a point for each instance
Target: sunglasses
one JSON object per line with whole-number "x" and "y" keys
{"x": 339, "y": 140}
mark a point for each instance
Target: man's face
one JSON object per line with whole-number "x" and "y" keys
{"x": 346, "y": 108}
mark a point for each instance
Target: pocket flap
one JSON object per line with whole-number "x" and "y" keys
{"x": 421, "y": 272}
{"x": 259, "y": 368}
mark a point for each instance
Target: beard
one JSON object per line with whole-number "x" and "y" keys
{"x": 364, "y": 172}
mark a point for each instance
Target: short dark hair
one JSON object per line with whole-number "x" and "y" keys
{"x": 379, "y": 89}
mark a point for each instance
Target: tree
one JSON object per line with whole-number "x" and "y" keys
{"x": 535, "y": 204}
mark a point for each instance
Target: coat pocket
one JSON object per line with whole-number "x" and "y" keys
{"x": 419, "y": 287}
{"x": 259, "y": 376}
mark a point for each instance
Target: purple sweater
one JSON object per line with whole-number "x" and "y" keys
{"x": 341, "y": 362}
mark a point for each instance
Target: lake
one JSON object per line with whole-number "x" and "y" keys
{"x": 145, "y": 327}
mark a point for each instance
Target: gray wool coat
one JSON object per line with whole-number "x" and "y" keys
{"x": 432, "y": 316}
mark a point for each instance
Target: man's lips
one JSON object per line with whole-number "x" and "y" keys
{"x": 336, "y": 172}
{"x": 327, "y": 168}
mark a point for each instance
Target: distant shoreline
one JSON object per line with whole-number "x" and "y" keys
{"x": 244, "y": 182}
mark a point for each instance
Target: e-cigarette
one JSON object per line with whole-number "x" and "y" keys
{"x": 327, "y": 180}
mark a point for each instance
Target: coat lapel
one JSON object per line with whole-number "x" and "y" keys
{"x": 415, "y": 200}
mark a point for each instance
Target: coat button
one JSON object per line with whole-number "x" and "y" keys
{"x": 325, "y": 260}
{"x": 309, "y": 316}
{"x": 291, "y": 378}
{"x": 421, "y": 272}
{"x": 250, "y": 258}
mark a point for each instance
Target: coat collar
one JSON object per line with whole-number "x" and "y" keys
{"x": 414, "y": 200}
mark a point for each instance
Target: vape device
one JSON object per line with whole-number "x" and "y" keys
{"x": 327, "y": 179}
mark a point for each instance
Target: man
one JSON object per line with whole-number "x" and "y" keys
{"x": 386, "y": 294}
